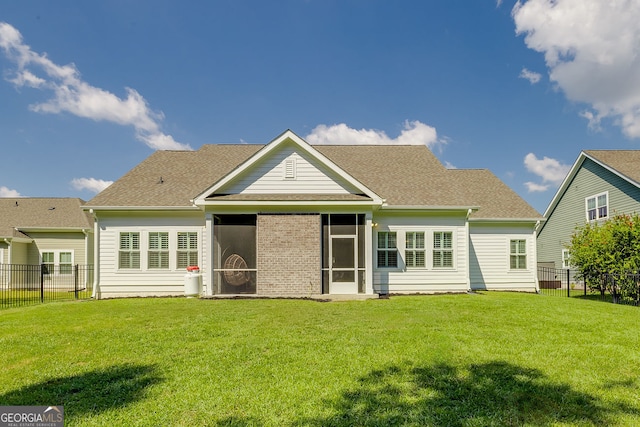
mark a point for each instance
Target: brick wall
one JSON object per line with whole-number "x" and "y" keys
{"x": 288, "y": 255}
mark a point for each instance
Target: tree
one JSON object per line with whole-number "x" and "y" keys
{"x": 612, "y": 249}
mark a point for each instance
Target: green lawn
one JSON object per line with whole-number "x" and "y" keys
{"x": 447, "y": 360}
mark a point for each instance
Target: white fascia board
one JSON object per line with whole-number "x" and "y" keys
{"x": 463, "y": 209}
{"x": 565, "y": 183}
{"x": 507, "y": 220}
{"x": 228, "y": 203}
{"x": 288, "y": 135}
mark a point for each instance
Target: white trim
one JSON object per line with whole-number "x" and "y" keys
{"x": 565, "y": 266}
{"x": 526, "y": 254}
{"x": 597, "y": 207}
{"x": 368, "y": 253}
{"x": 56, "y": 258}
{"x": 287, "y": 136}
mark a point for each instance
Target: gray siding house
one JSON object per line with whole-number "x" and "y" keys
{"x": 600, "y": 184}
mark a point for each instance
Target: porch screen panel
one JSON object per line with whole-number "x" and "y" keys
{"x": 235, "y": 254}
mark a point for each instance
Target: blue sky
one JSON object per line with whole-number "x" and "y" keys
{"x": 90, "y": 89}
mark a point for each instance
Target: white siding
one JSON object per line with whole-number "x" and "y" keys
{"x": 427, "y": 279}
{"x": 489, "y": 257}
{"x": 270, "y": 177}
{"x": 145, "y": 282}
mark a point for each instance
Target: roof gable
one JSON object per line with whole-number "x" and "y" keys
{"x": 273, "y": 170}
{"x": 623, "y": 163}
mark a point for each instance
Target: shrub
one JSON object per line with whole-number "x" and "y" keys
{"x": 611, "y": 247}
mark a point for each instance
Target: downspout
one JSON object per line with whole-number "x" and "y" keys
{"x": 535, "y": 261}
{"x": 8, "y": 242}
{"x": 96, "y": 256}
{"x": 466, "y": 227}
{"x": 86, "y": 254}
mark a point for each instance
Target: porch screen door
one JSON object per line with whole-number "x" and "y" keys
{"x": 343, "y": 265}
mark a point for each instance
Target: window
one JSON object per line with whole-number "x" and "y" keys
{"x": 597, "y": 206}
{"x": 414, "y": 252}
{"x": 387, "y": 252}
{"x": 187, "y": 253}
{"x": 129, "y": 254}
{"x": 158, "y": 256}
{"x": 48, "y": 262}
{"x": 443, "y": 249}
{"x": 57, "y": 262}
{"x": 65, "y": 263}
{"x": 566, "y": 258}
{"x": 518, "y": 254}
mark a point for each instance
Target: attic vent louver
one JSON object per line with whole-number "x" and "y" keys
{"x": 290, "y": 169}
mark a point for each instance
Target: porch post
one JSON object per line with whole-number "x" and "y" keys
{"x": 368, "y": 253}
{"x": 208, "y": 249}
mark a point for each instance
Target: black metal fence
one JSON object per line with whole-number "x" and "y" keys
{"x": 615, "y": 288}
{"x": 25, "y": 284}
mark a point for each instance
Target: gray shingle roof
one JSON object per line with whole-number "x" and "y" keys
{"x": 626, "y": 162}
{"x": 46, "y": 213}
{"x": 403, "y": 175}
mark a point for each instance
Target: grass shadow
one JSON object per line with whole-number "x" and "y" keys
{"x": 88, "y": 393}
{"x": 488, "y": 394}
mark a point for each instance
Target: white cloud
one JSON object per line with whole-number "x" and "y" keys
{"x": 92, "y": 184}
{"x": 414, "y": 133}
{"x": 73, "y": 95}
{"x": 7, "y": 192}
{"x": 550, "y": 170}
{"x": 592, "y": 50}
{"x": 532, "y": 187}
{"x": 532, "y": 76}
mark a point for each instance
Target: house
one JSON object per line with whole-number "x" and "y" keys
{"x": 289, "y": 218}
{"x": 55, "y": 232}
{"x": 600, "y": 184}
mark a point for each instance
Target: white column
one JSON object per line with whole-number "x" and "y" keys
{"x": 368, "y": 252}
{"x": 208, "y": 267}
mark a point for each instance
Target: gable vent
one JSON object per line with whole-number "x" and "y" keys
{"x": 290, "y": 169}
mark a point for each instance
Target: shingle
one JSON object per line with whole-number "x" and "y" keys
{"x": 626, "y": 162}
{"x": 24, "y": 213}
{"x": 403, "y": 175}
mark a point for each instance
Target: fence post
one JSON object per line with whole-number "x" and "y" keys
{"x": 41, "y": 282}
{"x": 75, "y": 281}
{"x": 568, "y": 287}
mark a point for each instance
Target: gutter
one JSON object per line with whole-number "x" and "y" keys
{"x": 466, "y": 209}
{"x": 91, "y": 209}
{"x": 534, "y": 220}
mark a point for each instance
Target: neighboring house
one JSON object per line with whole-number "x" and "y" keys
{"x": 600, "y": 184}
{"x": 51, "y": 231}
{"x": 288, "y": 218}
